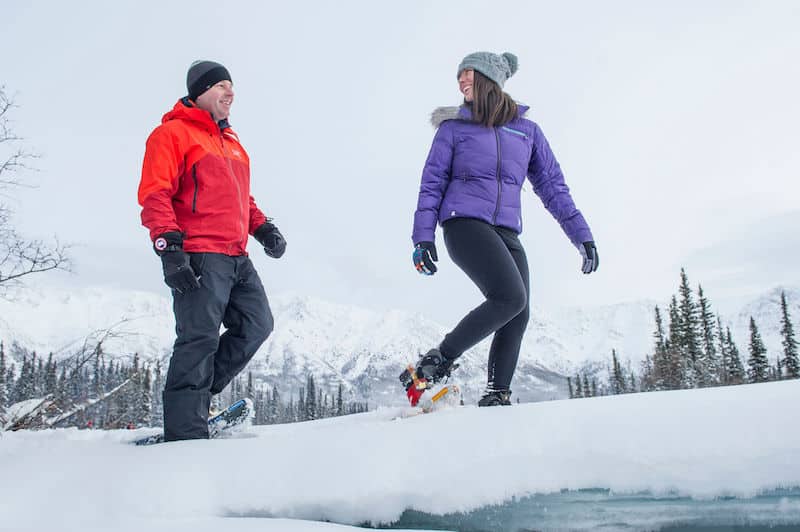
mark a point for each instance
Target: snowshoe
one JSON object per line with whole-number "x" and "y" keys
{"x": 235, "y": 415}
{"x": 431, "y": 369}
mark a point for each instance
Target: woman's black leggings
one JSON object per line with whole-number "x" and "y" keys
{"x": 494, "y": 259}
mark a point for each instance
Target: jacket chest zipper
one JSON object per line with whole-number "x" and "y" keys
{"x": 194, "y": 197}
{"x": 499, "y": 181}
{"x": 235, "y": 182}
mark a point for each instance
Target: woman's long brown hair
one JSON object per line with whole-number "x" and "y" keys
{"x": 491, "y": 106}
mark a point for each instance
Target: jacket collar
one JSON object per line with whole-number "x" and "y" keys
{"x": 185, "y": 109}
{"x": 463, "y": 112}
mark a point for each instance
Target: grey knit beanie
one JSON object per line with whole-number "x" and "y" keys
{"x": 497, "y": 68}
{"x": 203, "y": 75}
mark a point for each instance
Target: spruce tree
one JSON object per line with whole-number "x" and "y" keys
{"x": 274, "y": 406}
{"x": 646, "y": 380}
{"x": 264, "y": 402}
{"x": 736, "y": 369}
{"x": 340, "y": 402}
{"x": 676, "y": 376}
{"x": 250, "y": 389}
{"x": 157, "y": 416}
{"x": 145, "y": 403}
{"x": 661, "y": 363}
{"x": 587, "y": 392}
{"x": 569, "y": 386}
{"x": 51, "y": 376}
{"x": 61, "y": 387}
{"x": 110, "y": 378}
{"x": 791, "y": 364}
{"x": 291, "y": 411}
{"x": 724, "y": 355}
{"x": 38, "y": 377}
{"x": 311, "y": 398}
{"x": 11, "y": 384}
{"x": 300, "y": 409}
{"x": 710, "y": 376}
{"x": 3, "y": 376}
{"x": 97, "y": 380}
{"x": 578, "y": 387}
{"x": 690, "y": 347}
{"x": 617, "y": 377}
{"x": 23, "y": 389}
{"x": 758, "y": 365}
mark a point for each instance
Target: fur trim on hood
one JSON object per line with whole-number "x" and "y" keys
{"x": 440, "y": 114}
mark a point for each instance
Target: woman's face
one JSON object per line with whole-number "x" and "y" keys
{"x": 465, "y": 80}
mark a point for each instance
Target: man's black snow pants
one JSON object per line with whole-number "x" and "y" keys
{"x": 203, "y": 361}
{"x": 494, "y": 259}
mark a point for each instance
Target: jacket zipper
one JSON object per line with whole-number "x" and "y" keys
{"x": 515, "y": 132}
{"x": 235, "y": 182}
{"x": 194, "y": 197}
{"x": 499, "y": 181}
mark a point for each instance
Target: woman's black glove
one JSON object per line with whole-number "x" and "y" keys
{"x": 424, "y": 257}
{"x": 590, "y": 258}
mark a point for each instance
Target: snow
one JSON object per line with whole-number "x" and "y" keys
{"x": 369, "y": 468}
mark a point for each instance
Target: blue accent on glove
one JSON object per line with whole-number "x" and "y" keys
{"x": 424, "y": 257}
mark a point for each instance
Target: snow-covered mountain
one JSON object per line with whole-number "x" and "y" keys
{"x": 363, "y": 349}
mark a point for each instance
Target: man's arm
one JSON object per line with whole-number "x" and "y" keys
{"x": 257, "y": 218}
{"x": 161, "y": 171}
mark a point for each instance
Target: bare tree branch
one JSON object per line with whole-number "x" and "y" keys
{"x": 20, "y": 257}
{"x": 93, "y": 344}
{"x": 59, "y": 417}
{"x": 14, "y": 163}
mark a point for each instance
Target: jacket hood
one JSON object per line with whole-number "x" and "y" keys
{"x": 463, "y": 112}
{"x": 184, "y": 109}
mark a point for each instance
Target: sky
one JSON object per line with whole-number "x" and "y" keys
{"x": 720, "y": 456}
{"x": 675, "y": 125}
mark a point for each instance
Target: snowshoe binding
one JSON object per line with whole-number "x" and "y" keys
{"x": 432, "y": 368}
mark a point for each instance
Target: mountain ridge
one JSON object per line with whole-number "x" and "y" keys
{"x": 361, "y": 348}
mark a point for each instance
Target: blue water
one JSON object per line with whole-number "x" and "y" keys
{"x": 775, "y": 511}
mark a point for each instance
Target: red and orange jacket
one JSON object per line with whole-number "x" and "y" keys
{"x": 196, "y": 180}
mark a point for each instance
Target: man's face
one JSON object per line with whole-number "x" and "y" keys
{"x": 217, "y": 100}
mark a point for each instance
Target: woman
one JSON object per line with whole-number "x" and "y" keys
{"x": 471, "y": 185}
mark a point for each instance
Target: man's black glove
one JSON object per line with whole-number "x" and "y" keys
{"x": 178, "y": 273}
{"x": 424, "y": 257}
{"x": 590, "y": 258}
{"x": 272, "y": 240}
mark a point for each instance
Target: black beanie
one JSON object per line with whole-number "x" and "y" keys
{"x": 203, "y": 75}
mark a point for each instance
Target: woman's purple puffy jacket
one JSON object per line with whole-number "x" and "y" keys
{"x": 477, "y": 172}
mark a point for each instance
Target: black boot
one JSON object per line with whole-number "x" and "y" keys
{"x": 434, "y": 366}
{"x": 498, "y": 398}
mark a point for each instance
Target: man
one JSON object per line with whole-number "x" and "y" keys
{"x": 196, "y": 202}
